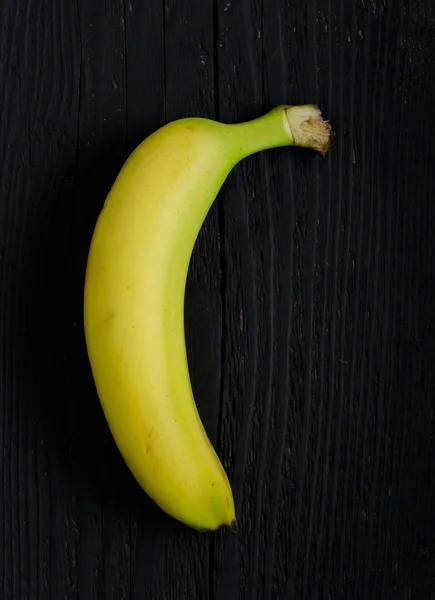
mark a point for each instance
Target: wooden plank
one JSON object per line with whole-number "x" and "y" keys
{"x": 102, "y": 498}
{"x": 412, "y": 457}
{"x": 168, "y": 559}
{"x": 250, "y": 280}
{"x": 39, "y": 108}
{"x": 294, "y": 74}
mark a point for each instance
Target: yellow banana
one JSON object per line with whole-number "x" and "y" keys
{"x": 134, "y": 301}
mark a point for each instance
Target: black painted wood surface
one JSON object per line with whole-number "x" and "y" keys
{"x": 309, "y": 315}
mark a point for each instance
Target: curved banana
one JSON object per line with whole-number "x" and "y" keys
{"x": 134, "y": 301}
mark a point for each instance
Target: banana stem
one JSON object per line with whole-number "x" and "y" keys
{"x": 284, "y": 125}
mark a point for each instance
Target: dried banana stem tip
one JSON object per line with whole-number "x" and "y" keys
{"x": 307, "y": 128}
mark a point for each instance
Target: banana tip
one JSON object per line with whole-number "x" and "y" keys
{"x": 233, "y": 526}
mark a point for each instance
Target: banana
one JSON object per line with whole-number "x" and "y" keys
{"x": 134, "y": 301}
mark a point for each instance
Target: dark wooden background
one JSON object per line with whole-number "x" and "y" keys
{"x": 309, "y": 307}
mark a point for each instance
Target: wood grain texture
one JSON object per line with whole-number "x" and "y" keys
{"x": 309, "y": 319}
{"x": 37, "y": 149}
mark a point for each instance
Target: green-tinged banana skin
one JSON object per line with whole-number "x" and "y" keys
{"x": 134, "y": 301}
